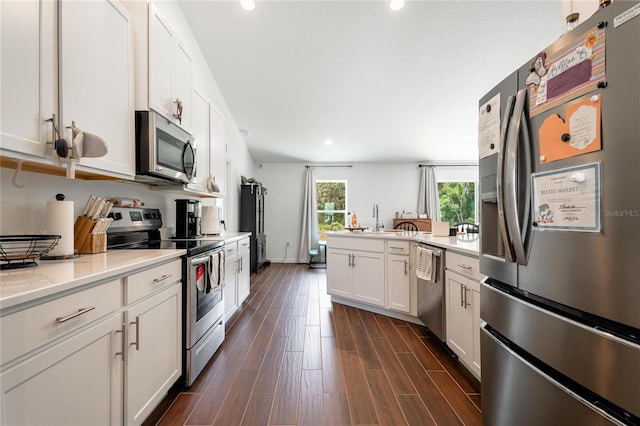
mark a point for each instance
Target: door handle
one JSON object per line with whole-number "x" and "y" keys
{"x": 466, "y": 304}
{"x": 461, "y": 296}
{"x": 406, "y": 267}
{"x": 122, "y": 340}
{"x": 502, "y": 224}
{"x": 137, "y": 342}
{"x": 511, "y": 178}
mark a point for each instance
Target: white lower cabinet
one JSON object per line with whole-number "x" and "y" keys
{"x": 88, "y": 358}
{"x": 463, "y": 309}
{"x": 401, "y": 292}
{"x": 154, "y": 351}
{"x": 230, "y": 279}
{"x": 237, "y": 278}
{"x": 75, "y": 382}
{"x": 244, "y": 270}
{"x": 355, "y": 269}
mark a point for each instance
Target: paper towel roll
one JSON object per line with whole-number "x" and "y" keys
{"x": 60, "y": 217}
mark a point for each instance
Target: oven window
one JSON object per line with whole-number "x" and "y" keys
{"x": 208, "y": 294}
{"x": 206, "y": 302}
{"x": 169, "y": 150}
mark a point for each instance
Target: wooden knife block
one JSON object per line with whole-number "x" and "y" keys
{"x": 84, "y": 241}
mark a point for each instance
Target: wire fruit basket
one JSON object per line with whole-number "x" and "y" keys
{"x": 19, "y": 251}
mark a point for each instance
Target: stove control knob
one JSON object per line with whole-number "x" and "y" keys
{"x": 117, "y": 216}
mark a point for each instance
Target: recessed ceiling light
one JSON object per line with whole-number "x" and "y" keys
{"x": 396, "y": 4}
{"x": 328, "y": 142}
{"x": 248, "y": 4}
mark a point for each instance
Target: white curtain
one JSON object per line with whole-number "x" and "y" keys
{"x": 309, "y": 238}
{"x": 428, "y": 200}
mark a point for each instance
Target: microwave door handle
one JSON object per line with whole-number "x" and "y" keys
{"x": 511, "y": 178}
{"x": 192, "y": 172}
{"x": 500, "y": 179}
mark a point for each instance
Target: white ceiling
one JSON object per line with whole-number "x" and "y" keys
{"x": 383, "y": 86}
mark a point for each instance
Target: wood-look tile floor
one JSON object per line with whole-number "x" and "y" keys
{"x": 292, "y": 357}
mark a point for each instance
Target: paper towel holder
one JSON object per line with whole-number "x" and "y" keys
{"x": 60, "y": 197}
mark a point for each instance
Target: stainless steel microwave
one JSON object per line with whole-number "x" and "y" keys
{"x": 165, "y": 152}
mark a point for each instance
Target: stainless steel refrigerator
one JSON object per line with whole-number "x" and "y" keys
{"x": 559, "y": 143}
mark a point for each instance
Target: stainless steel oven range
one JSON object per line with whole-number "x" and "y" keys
{"x": 202, "y": 279}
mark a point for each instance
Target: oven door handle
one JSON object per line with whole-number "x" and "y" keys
{"x": 199, "y": 260}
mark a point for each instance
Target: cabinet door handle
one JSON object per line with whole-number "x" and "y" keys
{"x": 123, "y": 342}
{"x": 353, "y": 262}
{"x": 178, "y": 114}
{"x": 162, "y": 278}
{"x": 406, "y": 267}
{"x": 463, "y": 266}
{"x": 81, "y": 311}
{"x": 461, "y": 295}
{"x": 466, "y": 304}
{"x": 137, "y": 342}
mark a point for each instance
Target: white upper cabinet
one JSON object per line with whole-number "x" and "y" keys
{"x": 86, "y": 78}
{"x": 218, "y": 149}
{"x": 29, "y": 76}
{"x": 96, "y": 90}
{"x": 169, "y": 71}
{"x": 200, "y": 130}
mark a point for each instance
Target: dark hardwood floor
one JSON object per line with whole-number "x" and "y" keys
{"x": 292, "y": 357}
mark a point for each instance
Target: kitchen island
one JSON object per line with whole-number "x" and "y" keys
{"x": 377, "y": 271}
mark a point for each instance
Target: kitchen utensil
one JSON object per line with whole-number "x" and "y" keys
{"x": 59, "y": 221}
{"x": 211, "y": 220}
{"x": 440, "y": 229}
{"x": 20, "y": 250}
{"x": 87, "y": 206}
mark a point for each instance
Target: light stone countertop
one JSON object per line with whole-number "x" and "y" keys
{"x": 18, "y": 286}
{"x": 468, "y": 244}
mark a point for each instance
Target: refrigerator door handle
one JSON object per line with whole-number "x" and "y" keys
{"x": 502, "y": 223}
{"x": 511, "y": 178}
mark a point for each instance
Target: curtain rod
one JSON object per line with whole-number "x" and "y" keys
{"x": 448, "y": 164}
{"x": 345, "y": 165}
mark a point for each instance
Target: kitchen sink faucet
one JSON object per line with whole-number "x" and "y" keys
{"x": 376, "y": 208}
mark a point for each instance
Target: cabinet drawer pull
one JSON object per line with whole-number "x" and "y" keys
{"x": 162, "y": 278}
{"x": 396, "y": 248}
{"x": 80, "y": 312}
{"x": 137, "y": 342}
{"x": 463, "y": 266}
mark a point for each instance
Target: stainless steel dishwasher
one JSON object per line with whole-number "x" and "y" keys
{"x": 431, "y": 293}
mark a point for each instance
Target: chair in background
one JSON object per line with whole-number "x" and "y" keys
{"x": 406, "y": 226}
{"x": 468, "y": 228}
{"x": 317, "y": 259}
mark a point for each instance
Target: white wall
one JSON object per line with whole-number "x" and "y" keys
{"x": 394, "y": 186}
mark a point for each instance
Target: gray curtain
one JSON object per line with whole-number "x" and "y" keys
{"x": 428, "y": 200}
{"x": 309, "y": 238}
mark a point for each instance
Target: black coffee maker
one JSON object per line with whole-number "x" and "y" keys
{"x": 188, "y": 219}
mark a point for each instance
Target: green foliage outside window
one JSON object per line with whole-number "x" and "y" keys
{"x": 331, "y": 198}
{"x": 457, "y": 202}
